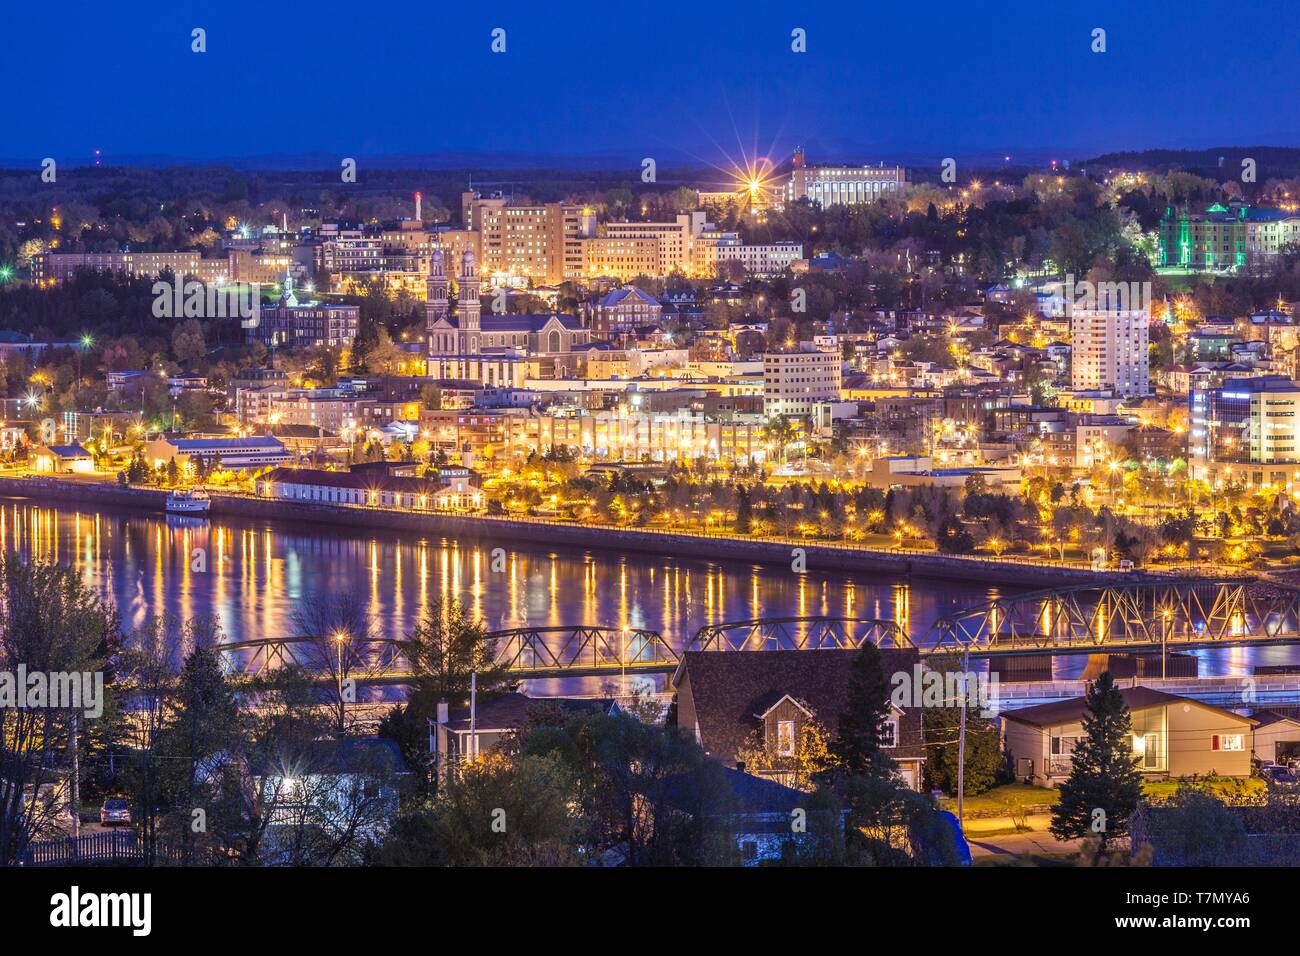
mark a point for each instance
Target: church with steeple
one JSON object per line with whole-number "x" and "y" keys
{"x": 492, "y": 349}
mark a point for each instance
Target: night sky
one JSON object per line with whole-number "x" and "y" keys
{"x": 704, "y": 81}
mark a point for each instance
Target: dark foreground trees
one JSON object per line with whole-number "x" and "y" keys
{"x": 50, "y": 623}
{"x": 1104, "y": 786}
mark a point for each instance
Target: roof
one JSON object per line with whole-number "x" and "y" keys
{"x": 365, "y": 480}
{"x": 510, "y": 711}
{"x": 509, "y": 322}
{"x": 752, "y": 795}
{"x": 345, "y": 755}
{"x": 200, "y": 445}
{"x": 730, "y": 689}
{"x": 68, "y": 451}
{"x": 619, "y": 296}
{"x": 1135, "y": 698}
{"x": 1267, "y": 718}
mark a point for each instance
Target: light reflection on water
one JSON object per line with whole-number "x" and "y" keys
{"x": 257, "y": 574}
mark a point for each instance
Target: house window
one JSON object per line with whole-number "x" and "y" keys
{"x": 1227, "y": 742}
{"x": 785, "y": 738}
{"x": 1063, "y": 746}
{"x": 889, "y": 733}
{"x": 1146, "y": 747}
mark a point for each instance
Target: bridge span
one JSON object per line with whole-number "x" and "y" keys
{"x": 1146, "y": 616}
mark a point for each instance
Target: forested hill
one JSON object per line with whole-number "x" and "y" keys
{"x": 1219, "y": 162}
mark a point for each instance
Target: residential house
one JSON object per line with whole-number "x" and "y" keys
{"x": 761, "y": 814}
{"x": 763, "y": 701}
{"x": 352, "y": 783}
{"x": 1172, "y": 737}
{"x": 1276, "y": 738}
{"x": 459, "y": 735}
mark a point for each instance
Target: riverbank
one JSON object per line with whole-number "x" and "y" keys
{"x": 816, "y": 555}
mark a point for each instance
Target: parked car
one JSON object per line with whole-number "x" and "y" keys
{"x": 115, "y": 811}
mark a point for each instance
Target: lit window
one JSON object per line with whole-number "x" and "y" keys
{"x": 785, "y": 738}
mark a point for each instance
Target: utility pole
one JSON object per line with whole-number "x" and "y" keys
{"x": 473, "y": 713}
{"x": 74, "y": 795}
{"x": 961, "y": 742}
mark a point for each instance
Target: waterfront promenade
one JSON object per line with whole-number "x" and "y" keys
{"x": 821, "y": 555}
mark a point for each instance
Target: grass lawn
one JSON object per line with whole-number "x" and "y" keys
{"x": 996, "y": 800}
{"x": 1223, "y": 787}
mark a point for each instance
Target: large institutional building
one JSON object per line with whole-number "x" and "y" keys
{"x": 53, "y": 268}
{"x": 1225, "y": 238}
{"x": 843, "y": 185}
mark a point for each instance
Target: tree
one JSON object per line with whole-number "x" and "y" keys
{"x": 1104, "y": 785}
{"x": 187, "y": 341}
{"x": 1197, "y": 829}
{"x": 857, "y": 744}
{"x": 646, "y": 789}
{"x": 797, "y": 770}
{"x": 207, "y": 723}
{"x": 507, "y": 812}
{"x": 49, "y": 622}
{"x": 942, "y": 731}
{"x": 744, "y": 512}
{"x": 445, "y": 648}
{"x": 337, "y": 629}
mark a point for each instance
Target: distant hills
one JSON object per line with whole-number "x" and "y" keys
{"x": 1219, "y": 162}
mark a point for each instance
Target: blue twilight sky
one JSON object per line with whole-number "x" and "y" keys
{"x": 708, "y": 80}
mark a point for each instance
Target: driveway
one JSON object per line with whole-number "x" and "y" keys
{"x": 1038, "y": 839}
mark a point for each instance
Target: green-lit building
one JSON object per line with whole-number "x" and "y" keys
{"x": 1213, "y": 240}
{"x": 1224, "y": 238}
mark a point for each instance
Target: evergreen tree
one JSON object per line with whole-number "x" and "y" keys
{"x": 856, "y": 748}
{"x": 744, "y": 512}
{"x": 1104, "y": 786}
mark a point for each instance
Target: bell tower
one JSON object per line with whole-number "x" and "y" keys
{"x": 468, "y": 306}
{"x": 435, "y": 305}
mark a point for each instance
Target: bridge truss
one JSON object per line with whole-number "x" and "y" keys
{"x": 798, "y": 634}
{"x": 1177, "y": 613}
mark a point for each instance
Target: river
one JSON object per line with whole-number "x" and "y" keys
{"x": 253, "y": 575}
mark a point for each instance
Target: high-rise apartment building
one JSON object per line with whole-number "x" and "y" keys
{"x": 542, "y": 243}
{"x": 1109, "y": 351}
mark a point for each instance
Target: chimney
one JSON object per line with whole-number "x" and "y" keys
{"x": 443, "y": 715}
{"x": 418, "y": 198}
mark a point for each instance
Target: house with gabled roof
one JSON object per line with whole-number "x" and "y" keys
{"x": 1172, "y": 736}
{"x": 733, "y": 702}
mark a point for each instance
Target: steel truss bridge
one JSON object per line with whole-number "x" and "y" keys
{"x": 1174, "y": 614}
{"x": 1177, "y": 614}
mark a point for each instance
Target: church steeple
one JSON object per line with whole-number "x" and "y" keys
{"x": 468, "y": 306}
{"x": 436, "y": 307}
{"x": 287, "y": 297}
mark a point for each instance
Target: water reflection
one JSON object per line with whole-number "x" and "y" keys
{"x": 252, "y": 575}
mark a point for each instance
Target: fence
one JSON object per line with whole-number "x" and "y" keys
{"x": 108, "y": 847}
